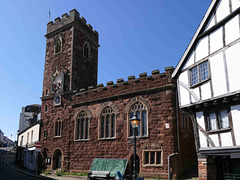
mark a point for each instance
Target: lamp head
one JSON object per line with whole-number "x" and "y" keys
{"x": 135, "y": 121}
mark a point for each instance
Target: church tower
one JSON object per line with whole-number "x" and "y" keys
{"x": 71, "y": 60}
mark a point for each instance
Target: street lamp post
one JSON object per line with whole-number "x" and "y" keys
{"x": 135, "y": 123}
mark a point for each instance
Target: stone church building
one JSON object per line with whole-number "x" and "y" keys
{"x": 83, "y": 120}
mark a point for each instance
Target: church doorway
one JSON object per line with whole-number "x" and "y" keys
{"x": 130, "y": 167}
{"x": 57, "y": 159}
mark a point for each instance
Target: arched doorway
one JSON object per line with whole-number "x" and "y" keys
{"x": 57, "y": 159}
{"x": 130, "y": 167}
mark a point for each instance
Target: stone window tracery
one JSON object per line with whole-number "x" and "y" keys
{"x": 107, "y": 123}
{"x": 141, "y": 111}
{"x": 82, "y": 126}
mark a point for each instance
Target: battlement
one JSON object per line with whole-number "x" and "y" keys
{"x": 66, "y": 19}
{"x": 133, "y": 84}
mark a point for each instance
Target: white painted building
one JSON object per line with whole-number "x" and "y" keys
{"x": 208, "y": 88}
{"x": 29, "y": 137}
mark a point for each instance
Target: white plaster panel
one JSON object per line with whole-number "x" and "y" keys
{"x": 215, "y": 139}
{"x": 232, "y": 30}
{"x": 216, "y": 40}
{"x": 218, "y": 75}
{"x": 211, "y": 23}
{"x": 233, "y": 64}
{"x": 184, "y": 93}
{"x": 202, "y": 49}
{"x": 190, "y": 61}
{"x": 235, "y": 4}
{"x": 196, "y": 94}
{"x": 226, "y": 139}
{"x": 206, "y": 91}
{"x": 223, "y": 10}
{"x": 235, "y": 111}
{"x": 200, "y": 121}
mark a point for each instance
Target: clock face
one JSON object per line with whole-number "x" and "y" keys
{"x": 57, "y": 100}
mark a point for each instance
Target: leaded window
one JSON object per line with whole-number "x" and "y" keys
{"x": 141, "y": 112}
{"x": 82, "y": 126}
{"x": 199, "y": 73}
{"x": 217, "y": 120}
{"x": 58, "y": 127}
{"x": 152, "y": 157}
{"x": 107, "y": 123}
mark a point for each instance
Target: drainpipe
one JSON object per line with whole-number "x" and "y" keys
{"x": 169, "y": 174}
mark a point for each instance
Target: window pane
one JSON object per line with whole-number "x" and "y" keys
{"x": 159, "y": 157}
{"x": 86, "y": 129}
{"x": 131, "y": 130}
{"x": 102, "y": 127}
{"x": 144, "y": 123}
{"x": 82, "y": 128}
{"x": 223, "y": 118}
{"x": 146, "y": 157}
{"x": 212, "y": 121}
{"x": 138, "y": 133}
{"x": 194, "y": 76}
{"x": 107, "y": 125}
{"x": 78, "y": 129}
{"x": 113, "y": 125}
{"x": 152, "y": 158}
{"x": 204, "y": 71}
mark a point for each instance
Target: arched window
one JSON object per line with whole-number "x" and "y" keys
{"x": 86, "y": 50}
{"x": 58, "y": 127}
{"x": 82, "y": 125}
{"x": 141, "y": 111}
{"x": 107, "y": 123}
{"x": 58, "y": 45}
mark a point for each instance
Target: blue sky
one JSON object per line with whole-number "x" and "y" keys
{"x": 135, "y": 36}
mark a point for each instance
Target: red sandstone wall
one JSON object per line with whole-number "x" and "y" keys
{"x": 158, "y": 90}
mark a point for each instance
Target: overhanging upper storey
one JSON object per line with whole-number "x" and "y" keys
{"x": 208, "y": 68}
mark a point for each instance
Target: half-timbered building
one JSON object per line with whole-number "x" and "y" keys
{"x": 208, "y": 89}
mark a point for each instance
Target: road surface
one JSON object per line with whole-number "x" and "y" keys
{"x": 5, "y": 172}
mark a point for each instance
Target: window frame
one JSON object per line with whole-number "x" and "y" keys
{"x": 149, "y": 158}
{"x": 140, "y": 135}
{"x": 58, "y": 129}
{"x": 86, "y": 45}
{"x": 80, "y": 132}
{"x": 57, "y": 46}
{"x": 199, "y": 74}
{"x": 112, "y": 126}
{"x": 218, "y": 124}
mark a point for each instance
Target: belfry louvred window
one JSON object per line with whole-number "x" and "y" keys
{"x": 58, "y": 45}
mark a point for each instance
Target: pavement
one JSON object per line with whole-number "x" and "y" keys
{"x": 10, "y": 162}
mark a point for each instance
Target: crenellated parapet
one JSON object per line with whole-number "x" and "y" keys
{"x": 155, "y": 82}
{"x": 68, "y": 20}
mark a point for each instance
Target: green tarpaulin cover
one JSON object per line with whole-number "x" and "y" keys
{"x": 112, "y": 165}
